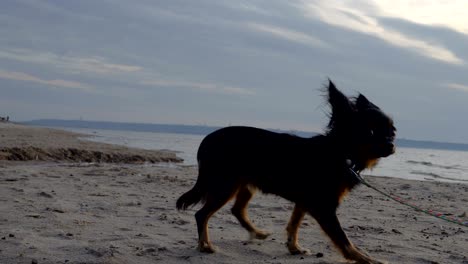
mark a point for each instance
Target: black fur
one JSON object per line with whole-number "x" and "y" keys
{"x": 311, "y": 172}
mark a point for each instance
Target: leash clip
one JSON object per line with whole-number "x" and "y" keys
{"x": 357, "y": 175}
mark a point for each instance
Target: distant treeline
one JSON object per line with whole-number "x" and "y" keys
{"x": 143, "y": 127}
{"x": 205, "y": 130}
{"x": 409, "y": 143}
{"x": 139, "y": 127}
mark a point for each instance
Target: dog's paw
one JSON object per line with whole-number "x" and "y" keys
{"x": 262, "y": 235}
{"x": 297, "y": 250}
{"x": 206, "y": 248}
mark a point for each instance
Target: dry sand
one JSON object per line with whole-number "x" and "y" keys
{"x": 73, "y": 211}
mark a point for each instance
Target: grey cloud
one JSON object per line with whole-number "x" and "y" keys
{"x": 252, "y": 62}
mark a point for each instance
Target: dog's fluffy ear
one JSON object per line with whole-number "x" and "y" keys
{"x": 362, "y": 103}
{"x": 341, "y": 106}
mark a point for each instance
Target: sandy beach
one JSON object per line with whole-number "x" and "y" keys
{"x": 67, "y": 200}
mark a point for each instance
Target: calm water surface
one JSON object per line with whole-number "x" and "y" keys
{"x": 407, "y": 163}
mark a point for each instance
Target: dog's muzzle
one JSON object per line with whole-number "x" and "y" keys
{"x": 388, "y": 147}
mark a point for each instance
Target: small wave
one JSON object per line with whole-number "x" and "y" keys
{"x": 430, "y": 164}
{"x": 436, "y": 176}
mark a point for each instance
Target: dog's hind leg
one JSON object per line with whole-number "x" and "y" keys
{"x": 331, "y": 225}
{"x": 292, "y": 230}
{"x": 239, "y": 210}
{"x": 213, "y": 202}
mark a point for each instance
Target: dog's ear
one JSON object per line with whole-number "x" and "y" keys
{"x": 362, "y": 103}
{"x": 341, "y": 106}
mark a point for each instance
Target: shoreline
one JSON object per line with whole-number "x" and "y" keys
{"x": 424, "y": 167}
{"x": 100, "y": 212}
{"x": 24, "y": 143}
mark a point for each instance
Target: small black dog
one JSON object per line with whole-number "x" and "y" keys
{"x": 314, "y": 173}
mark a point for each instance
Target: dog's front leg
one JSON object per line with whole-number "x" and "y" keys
{"x": 331, "y": 225}
{"x": 292, "y": 230}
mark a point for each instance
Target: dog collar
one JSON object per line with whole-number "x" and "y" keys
{"x": 353, "y": 171}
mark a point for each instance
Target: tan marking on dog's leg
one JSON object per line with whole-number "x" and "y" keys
{"x": 331, "y": 225}
{"x": 204, "y": 244}
{"x": 292, "y": 231}
{"x": 239, "y": 210}
{"x": 212, "y": 204}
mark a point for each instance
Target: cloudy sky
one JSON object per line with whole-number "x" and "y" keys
{"x": 221, "y": 62}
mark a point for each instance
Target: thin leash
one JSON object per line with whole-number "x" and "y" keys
{"x": 404, "y": 202}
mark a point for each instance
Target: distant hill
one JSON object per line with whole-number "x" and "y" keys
{"x": 204, "y": 130}
{"x": 142, "y": 127}
{"x": 409, "y": 143}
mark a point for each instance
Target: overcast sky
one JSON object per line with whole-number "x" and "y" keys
{"x": 223, "y": 62}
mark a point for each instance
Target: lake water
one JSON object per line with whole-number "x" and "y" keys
{"x": 407, "y": 163}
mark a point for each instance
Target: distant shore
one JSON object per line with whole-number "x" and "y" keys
{"x": 204, "y": 130}
{"x": 67, "y": 200}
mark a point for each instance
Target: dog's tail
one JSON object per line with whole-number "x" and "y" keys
{"x": 192, "y": 197}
